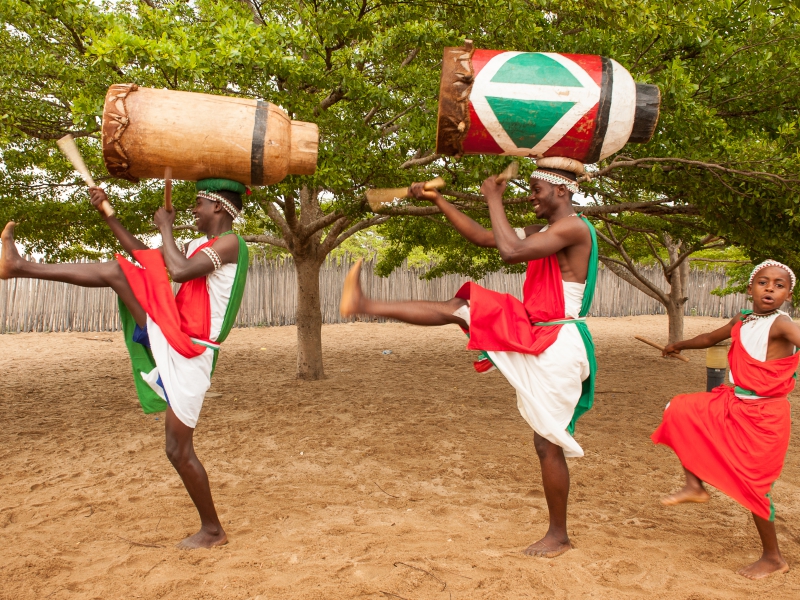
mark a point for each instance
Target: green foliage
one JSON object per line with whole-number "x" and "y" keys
{"x": 729, "y": 75}
{"x": 368, "y": 72}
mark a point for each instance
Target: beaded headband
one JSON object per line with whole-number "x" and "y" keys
{"x": 556, "y": 179}
{"x": 772, "y": 263}
{"x": 226, "y": 204}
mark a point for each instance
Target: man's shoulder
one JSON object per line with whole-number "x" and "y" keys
{"x": 574, "y": 227}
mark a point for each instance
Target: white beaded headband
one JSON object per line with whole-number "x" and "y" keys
{"x": 772, "y": 263}
{"x": 226, "y": 204}
{"x": 556, "y": 179}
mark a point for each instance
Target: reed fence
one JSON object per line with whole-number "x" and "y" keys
{"x": 270, "y": 298}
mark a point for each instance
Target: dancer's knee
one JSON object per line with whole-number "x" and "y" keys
{"x": 178, "y": 453}
{"x": 544, "y": 447}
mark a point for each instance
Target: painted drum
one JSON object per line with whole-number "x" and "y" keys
{"x": 539, "y": 104}
{"x": 202, "y": 135}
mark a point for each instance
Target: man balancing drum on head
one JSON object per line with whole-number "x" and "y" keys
{"x": 173, "y": 340}
{"x": 541, "y": 345}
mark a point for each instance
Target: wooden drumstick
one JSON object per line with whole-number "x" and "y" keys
{"x": 659, "y": 347}
{"x": 168, "y": 189}
{"x": 381, "y": 196}
{"x": 509, "y": 173}
{"x": 68, "y": 147}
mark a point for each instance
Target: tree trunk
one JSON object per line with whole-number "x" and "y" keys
{"x": 309, "y": 321}
{"x": 677, "y": 279}
{"x": 675, "y": 315}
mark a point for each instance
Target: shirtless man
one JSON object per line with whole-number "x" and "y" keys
{"x": 179, "y": 377}
{"x": 541, "y": 345}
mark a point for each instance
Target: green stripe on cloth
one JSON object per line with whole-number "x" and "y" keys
{"x": 142, "y": 362}
{"x": 740, "y": 391}
{"x": 235, "y": 301}
{"x": 587, "y": 394}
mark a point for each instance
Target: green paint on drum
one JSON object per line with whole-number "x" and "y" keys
{"x": 527, "y": 121}
{"x": 534, "y": 68}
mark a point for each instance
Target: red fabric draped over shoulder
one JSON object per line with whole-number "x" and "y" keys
{"x": 736, "y": 445}
{"x": 772, "y": 378}
{"x": 501, "y": 323}
{"x": 181, "y": 317}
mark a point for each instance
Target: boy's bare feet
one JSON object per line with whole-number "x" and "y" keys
{"x": 203, "y": 539}
{"x": 764, "y": 567}
{"x": 351, "y": 292}
{"x": 687, "y": 494}
{"x": 9, "y": 257}
{"x": 548, "y": 547}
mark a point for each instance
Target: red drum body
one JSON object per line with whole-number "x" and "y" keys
{"x": 536, "y": 104}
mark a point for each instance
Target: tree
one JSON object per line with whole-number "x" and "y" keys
{"x": 366, "y": 72}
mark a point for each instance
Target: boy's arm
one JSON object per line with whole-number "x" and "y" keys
{"x": 125, "y": 237}
{"x": 467, "y": 227}
{"x": 788, "y": 330}
{"x": 705, "y": 340}
{"x": 183, "y": 269}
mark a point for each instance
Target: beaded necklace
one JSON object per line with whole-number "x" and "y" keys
{"x": 756, "y": 316}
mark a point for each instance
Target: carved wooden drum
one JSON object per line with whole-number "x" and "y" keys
{"x": 201, "y": 135}
{"x": 536, "y": 104}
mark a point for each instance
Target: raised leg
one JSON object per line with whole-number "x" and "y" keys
{"x": 415, "y": 312}
{"x": 180, "y": 451}
{"x": 771, "y": 560}
{"x": 693, "y": 491}
{"x": 555, "y": 480}
{"x": 107, "y": 274}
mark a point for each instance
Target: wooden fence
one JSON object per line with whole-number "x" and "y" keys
{"x": 270, "y": 297}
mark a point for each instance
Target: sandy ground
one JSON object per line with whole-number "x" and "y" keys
{"x": 405, "y": 475}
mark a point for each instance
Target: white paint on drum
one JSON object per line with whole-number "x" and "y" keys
{"x": 622, "y": 113}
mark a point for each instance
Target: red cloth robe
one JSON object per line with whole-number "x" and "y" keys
{"x": 181, "y": 317}
{"x": 501, "y": 323}
{"x": 736, "y": 445}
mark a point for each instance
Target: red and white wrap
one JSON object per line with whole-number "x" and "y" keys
{"x": 736, "y": 438}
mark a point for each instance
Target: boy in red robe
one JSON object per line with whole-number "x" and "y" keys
{"x": 541, "y": 344}
{"x": 735, "y": 437}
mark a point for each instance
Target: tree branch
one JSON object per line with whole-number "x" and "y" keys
{"x": 418, "y": 162}
{"x": 713, "y": 167}
{"x": 311, "y": 228}
{"x": 331, "y": 99}
{"x": 621, "y": 271}
{"x": 265, "y": 239}
{"x": 358, "y": 227}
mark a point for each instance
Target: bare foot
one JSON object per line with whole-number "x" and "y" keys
{"x": 764, "y": 567}
{"x": 351, "y": 291}
{"x": 686, "y": 494}
{"x": 203, "y": 539}
{"x": 9, "y": 257}
{"x": 548, "y": 547}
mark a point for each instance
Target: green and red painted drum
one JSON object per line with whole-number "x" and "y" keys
{"x": 536, "y": 104}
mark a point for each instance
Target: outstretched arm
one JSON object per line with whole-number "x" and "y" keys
{"x": 467, "y": 227}
{"x": 125, "y": 237}
{"x": 705, "y": 340}
{"x": 183, "y": 269}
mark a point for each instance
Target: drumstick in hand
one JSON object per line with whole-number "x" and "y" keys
{"x": 659, "y": 347}
{"x": 381, "y": 196}
{"x": 67, "y": 146}
{"x": 168, "y": 189}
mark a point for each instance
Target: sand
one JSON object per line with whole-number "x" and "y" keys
{"x": 405, "y": 475}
